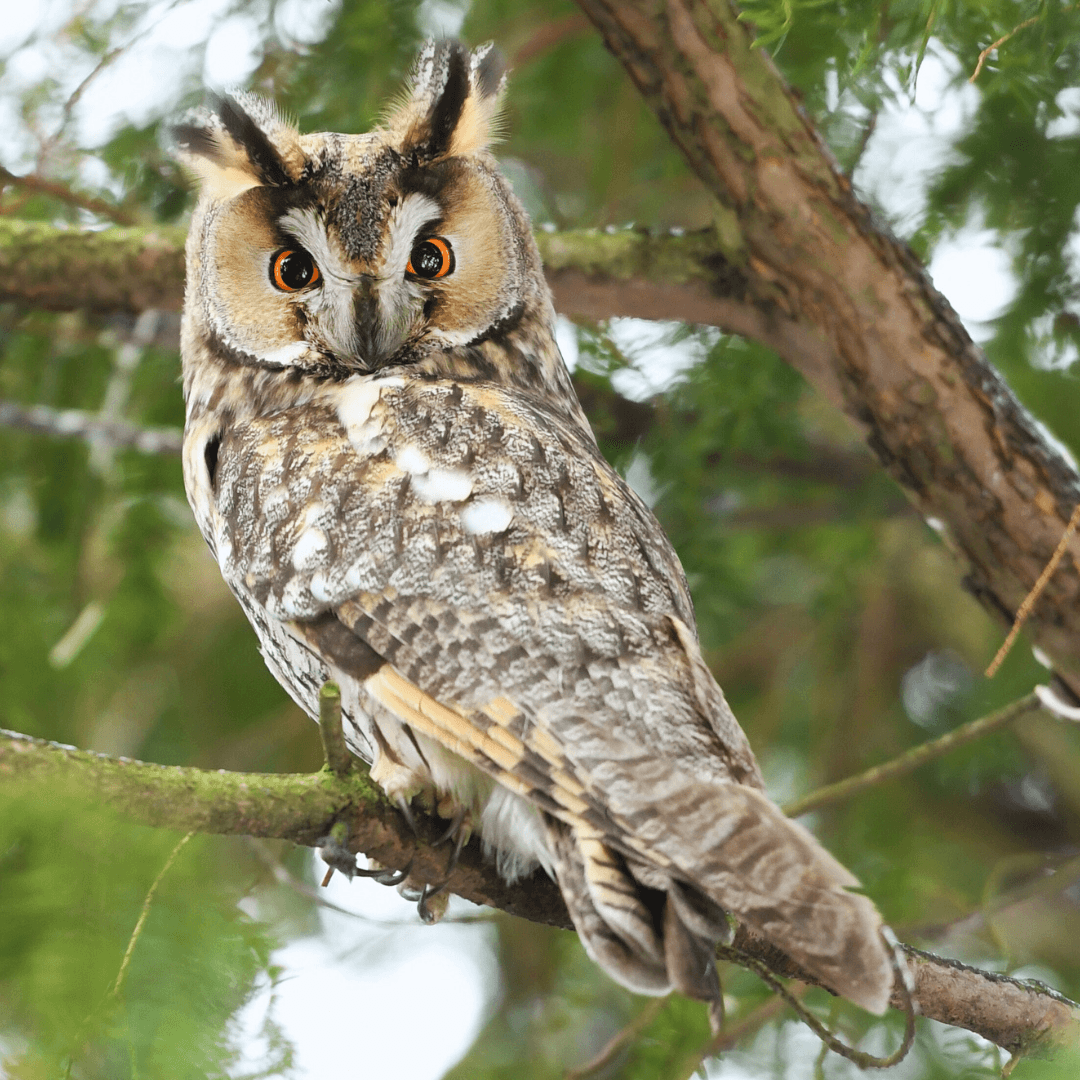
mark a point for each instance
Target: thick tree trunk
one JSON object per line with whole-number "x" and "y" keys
{"x": 867, "y": 327}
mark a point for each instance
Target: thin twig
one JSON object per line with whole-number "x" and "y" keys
{"x": 76, "y": 95}
{"x": 78, "y": 424}
{"x": 1032, "y": 597}
{"x": 618, "y": 1041}
{"x": 1000, "y": 41}
{"x": 913, "y": 758}
{"x": 338, "y": 759}
{"x": 823, "y": 1053}
{"x": 135, "y": 934}
{"x": 859, "y": 1057}
{"x": 1050, "y": 881}
{"x": 730, "y": 1037}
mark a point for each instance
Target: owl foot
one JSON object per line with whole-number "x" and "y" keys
{"x": 337, "y": 856}
{"x": 383, "y": 875}
{"x": 431, "y": 906}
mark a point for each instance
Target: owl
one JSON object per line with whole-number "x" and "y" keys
{"x": 386, "y": 456}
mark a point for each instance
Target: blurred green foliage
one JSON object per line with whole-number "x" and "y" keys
{"x": 832, "y": 616}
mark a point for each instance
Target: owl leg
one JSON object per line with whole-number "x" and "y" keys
{"x": 459, "y": 831}
{"x": 337, "y": 856}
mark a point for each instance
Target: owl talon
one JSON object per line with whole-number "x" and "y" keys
{"x": 454, "y": 828}
{"x": 461, "y": 837}
{"x": 427, "y": 913}
{"x": 384, "y": 876}
{"x": 431, "y": 913}
{"x": 407, "y": 814}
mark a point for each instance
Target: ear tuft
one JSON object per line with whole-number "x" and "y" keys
{"x": 239, "y": 142}
{"x": 452, "y": 103}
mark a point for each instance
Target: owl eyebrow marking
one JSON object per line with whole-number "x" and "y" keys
{"x": 309, "y": 230}
{"x": 413, "y": 214}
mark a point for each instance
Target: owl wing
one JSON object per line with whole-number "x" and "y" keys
{"x": 520, "y": 606}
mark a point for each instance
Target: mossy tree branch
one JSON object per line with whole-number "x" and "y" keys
{"x": 593, "y": 274}
{"x": 304, "y": 808}
{"x": 286, "y": 806}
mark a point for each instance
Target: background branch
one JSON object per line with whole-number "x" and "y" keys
{"x": 912, "y": 759}
{"x": 38, "y": 185}
{"x": 79, "y": 424}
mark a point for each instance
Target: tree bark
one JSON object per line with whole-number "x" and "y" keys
{"x": 876, "y": 336}
{"x": 303, "y": 808}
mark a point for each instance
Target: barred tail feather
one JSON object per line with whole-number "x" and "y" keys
{"x": 654, "y": 926}
{"x": 633, "y": 957}
{"x": 779, "y": 881}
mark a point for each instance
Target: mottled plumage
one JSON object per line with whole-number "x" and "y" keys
{"x": 391, "y": 467}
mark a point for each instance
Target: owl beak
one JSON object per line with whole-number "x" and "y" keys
{"x": 383, "y": 316}
{"x": 366, "y": 321}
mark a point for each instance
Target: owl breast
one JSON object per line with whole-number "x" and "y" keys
{"x": 479, "y": 545}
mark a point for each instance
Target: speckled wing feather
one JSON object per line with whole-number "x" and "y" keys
{"x": 519, "y": 606}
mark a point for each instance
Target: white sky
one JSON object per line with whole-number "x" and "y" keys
{"x": 352, "y": 998}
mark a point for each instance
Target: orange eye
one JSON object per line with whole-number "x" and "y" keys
{"x": 292, "y": 269}
{"x": 431, "y": 259}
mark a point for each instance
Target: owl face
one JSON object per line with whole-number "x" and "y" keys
{"x": 351, "y": 253}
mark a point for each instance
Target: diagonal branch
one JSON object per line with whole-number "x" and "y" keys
{"x": 304, "y": 807}
{"x": 914, "y": 758}
{"x": 33, "y": 184}
{"x": 862, "y": 320}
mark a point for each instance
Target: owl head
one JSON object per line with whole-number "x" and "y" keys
{"x": 332, "y": 255}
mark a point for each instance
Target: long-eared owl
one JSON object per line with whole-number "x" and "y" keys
{"x": 386, "y": 455}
